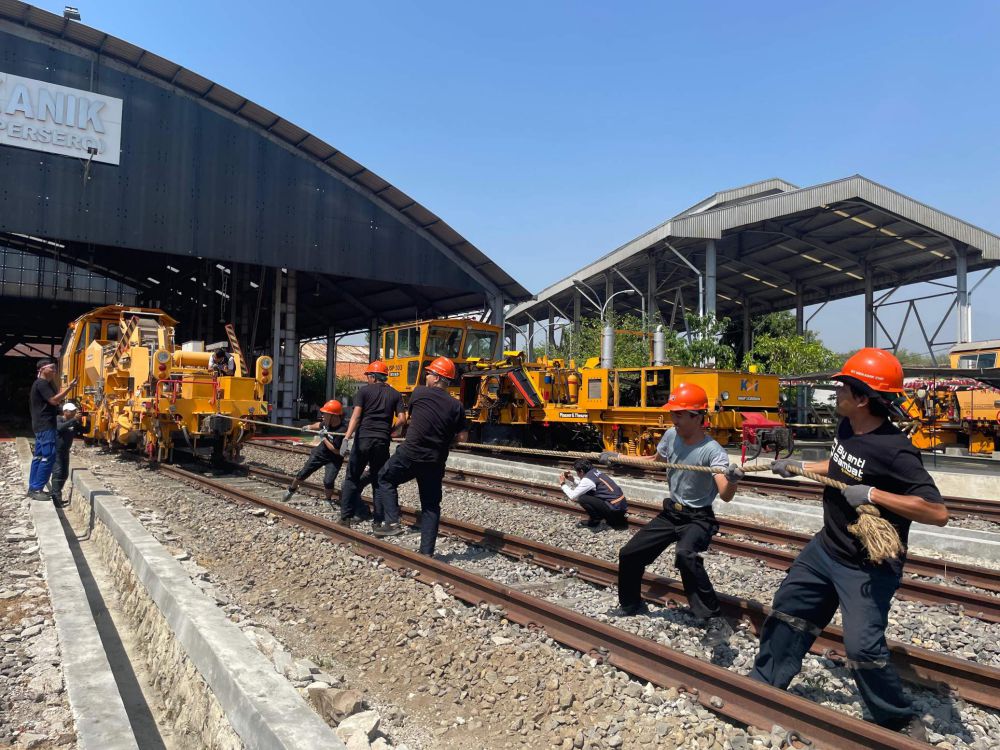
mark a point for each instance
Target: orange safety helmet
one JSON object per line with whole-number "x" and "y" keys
{"x": 378, "y": 367}
{"x": 444, "y": 367}
{"x": 333, "y": 406}
{"x": 687, "y": 397}
{"x": 877, "y": 369}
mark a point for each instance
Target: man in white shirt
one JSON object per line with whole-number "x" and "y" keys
{"x": 598, "y": 493}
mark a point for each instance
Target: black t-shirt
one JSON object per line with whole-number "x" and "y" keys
{"x": 43, "y": 414}
{"x": 66, "y": 430}
{"x": 435, "y": 418}
{"x": 379, "y": 403}
{"x": 883, "y": 458}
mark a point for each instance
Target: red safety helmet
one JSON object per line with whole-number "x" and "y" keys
{"x": 444, "y": 367}
{"x": 687, "y": 397}
{"x": 378, "y": 367}
{"x": 333, "y": 406}
{"x": 876, "y": 369}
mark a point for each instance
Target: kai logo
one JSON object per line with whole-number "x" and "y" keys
{"x": 749, "y": 386}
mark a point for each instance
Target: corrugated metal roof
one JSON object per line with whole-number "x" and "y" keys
{"x": 376, "y": 189}
{"x": 712, "y": 224}
{"x": 845, "y": 227}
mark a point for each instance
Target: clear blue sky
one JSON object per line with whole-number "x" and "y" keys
{"x": 548, "y": 133}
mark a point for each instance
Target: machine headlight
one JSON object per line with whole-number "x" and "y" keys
{"x": 725, "y": 395}
{"x": 921, "y": 393}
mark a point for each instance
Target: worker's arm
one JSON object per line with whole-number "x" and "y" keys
{"x": 580, "y": 487}
{"x": 818, "y": 467}
{"x": 461, "y": 437}
{"x": 58, "y": 398}
{"x": 400, "y": 420}
{"x": 727, "y": 489}
{"x": 355, "y": 421}
{"x": 911, "y": 506}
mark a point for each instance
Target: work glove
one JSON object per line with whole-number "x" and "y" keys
{"x": 858, "y": 494}
{"x": 734, "y": 473}
{"x": 780, "y": 467}
{"x": 606, "y": 456}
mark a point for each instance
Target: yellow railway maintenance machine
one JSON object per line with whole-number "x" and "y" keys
{"x": 961, "y": 408}
{"x": 136, "y": 388}
{"x": 552, "y": 403}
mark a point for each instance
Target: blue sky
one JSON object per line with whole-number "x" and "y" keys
{"x": 549, "y": 133}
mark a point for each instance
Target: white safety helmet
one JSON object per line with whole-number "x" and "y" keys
{"x": 69, "y": 406}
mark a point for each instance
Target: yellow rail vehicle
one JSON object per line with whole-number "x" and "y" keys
{"x": 135, "y": 387}
{"x": 553, "y": 403}
{"x": 958, "y": 411}
{"x": 624, "y": 405}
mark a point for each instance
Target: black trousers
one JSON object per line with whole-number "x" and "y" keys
{"x": 401, "y": 469}
{"x": 60, "y": 471}
{"x": 805, "y": 603}
{"x": 322, "y": 457}
{"x": 598, "y": 511}
{"x": 692, "y": 529}
{"x": 367, "y": 452}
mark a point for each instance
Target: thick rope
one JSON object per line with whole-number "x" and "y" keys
{"x": 879, "y": 537}
{"x": 529, "y": 451}
{"x": 652, "y": 463}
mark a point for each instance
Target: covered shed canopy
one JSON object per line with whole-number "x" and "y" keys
{"x": 211, "y": 188}
{"x": 772, "y": 246}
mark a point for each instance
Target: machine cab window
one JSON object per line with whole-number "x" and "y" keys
{"x": 479, "y": 344}
{"x": 444, "y": 342}
{"x": 408, "y": 342}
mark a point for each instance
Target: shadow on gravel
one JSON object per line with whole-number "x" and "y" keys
{"x": 140, "y": 717}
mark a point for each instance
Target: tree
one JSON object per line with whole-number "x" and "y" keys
{"x": 703, "y": 345}
{"x": 790, "y": 355}
{"x": 313, "y": 384}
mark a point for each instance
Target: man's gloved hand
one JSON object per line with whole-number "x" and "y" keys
{"x": 733, "y": 473}
{"x": 606, "y": 456}
{"x": 858, "y": 494}
{"x": 780, "y": 467}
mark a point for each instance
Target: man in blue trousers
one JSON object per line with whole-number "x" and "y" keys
{"x": 44, "y": 401}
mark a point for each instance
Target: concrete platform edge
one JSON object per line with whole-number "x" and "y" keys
{"x": 260, "y": 705}
{"x": 98, "y": 710}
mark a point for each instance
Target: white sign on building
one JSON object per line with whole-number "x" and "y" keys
{"x": 59, "y": 120}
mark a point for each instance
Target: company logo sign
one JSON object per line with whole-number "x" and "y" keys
{"x": 59, "y": 120}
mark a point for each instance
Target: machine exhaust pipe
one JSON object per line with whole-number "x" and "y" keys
{"x": 608, "y": 347}
{"x": 659, "y": 347}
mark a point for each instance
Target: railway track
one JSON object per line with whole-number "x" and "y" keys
{"x": 960, "y": 507}
{"x": 974, "y": 682}
{"x": 730, "y": 695}
{"x": 551, "y": 497}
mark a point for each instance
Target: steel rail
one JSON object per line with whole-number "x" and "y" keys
{"x": 726, "y": 693}
{"x": 960, "y": 507}
{"x": 975, "y": 682}
{"x": 980, "y": 606}
{"x": 929, "y": 567}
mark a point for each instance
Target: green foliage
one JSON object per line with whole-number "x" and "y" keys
{"x": 790, "y": 354}
{"x": 703, "y": 346}
{"x": 631, "y": 349}
{"x": 313, "y": 386}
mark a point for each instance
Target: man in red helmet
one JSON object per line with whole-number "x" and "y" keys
{"x": 437, "y": 419}
{"x": 326, "y": 454}
{"x": 687, "y": 517}
{"x": 378, "y": 410}
{"x": 884, "y": 469}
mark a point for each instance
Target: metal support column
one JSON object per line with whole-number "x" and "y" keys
{"x": 800, "y": 313}
{"x": 710, "y": 295}
{"x": 577, "y": 304}
{"x": 869, "y": 306}
{"x": 652, "y": 308}
{"x": 331, "y": 362}
{"x": 285, "y": 346}
{"x": 373, "y": 340}
{"x": 550, "y": 334}
{"x": 962, "y": 299}
{"x": 609, "y": 291}
{"x": 529, "y": 344}
{"x": 497, "y": 318}
{"x": 747, "y": 342}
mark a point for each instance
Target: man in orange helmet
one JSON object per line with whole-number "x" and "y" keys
{"x": 437, "y": 419}
{"x": 884, "y": 469}
{"x": 687, "y": 517}
{"x": 378, "y": 410}
{"x": 327, "y": 453}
